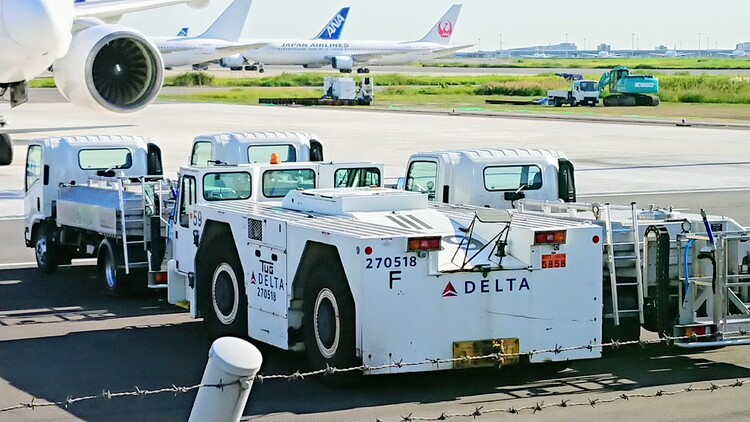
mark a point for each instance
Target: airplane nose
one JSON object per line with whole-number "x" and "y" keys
{"x": 37, "y": 23}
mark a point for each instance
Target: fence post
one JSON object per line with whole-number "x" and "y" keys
{"x": 230, "y": 361}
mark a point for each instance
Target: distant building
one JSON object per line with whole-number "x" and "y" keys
{"x": 661, "y": 47}
{"x": 744, "y": 46}
{"x": 604, "y": 47}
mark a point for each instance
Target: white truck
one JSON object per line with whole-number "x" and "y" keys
{"x": 676, "y": 302}
{"x": 105, "y": 197}
{"x": 254, "y": 147}
{"x": 582, "y": 92}
{"x": 379, "y": 276}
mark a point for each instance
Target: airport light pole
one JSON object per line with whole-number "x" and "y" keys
{"x": 699, "y": 44}
{"x": 632, "y": 44}
{"x": 501, "y": 44}
{"x": 708, "y": 46}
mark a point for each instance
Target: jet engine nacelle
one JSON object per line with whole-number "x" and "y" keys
{"x": 110, "y": 67}
{"x": 342, "y": 62}
{"x": 232, "y": 61}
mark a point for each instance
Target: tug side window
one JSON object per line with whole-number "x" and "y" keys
{"x": 187, "y": 198}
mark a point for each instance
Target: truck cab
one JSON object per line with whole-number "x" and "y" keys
{"x": 254, "y": 147}
{"x": 494, "y": 178}
{"x": 583, "y": 92}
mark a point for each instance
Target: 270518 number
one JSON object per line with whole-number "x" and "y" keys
{"x": 391, "y": 262}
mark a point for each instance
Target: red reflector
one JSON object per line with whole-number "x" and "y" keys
{"x": 550, "y": 237}
{"x": 698, "y": 331}
{"x": 423, "y": 244}
{"x": 368, "y": 250}
{"x": 595, "y": 239}
{"x": 161, "y": 278}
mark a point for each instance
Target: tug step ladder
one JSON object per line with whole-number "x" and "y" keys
{"x": 612, "y": 256}
{"x": 129, "y": 219}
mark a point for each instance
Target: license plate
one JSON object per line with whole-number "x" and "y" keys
{"x": 556, "y": 260}
{"x": 509, "y": 347}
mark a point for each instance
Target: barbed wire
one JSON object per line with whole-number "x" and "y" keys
{"x": 330, "y": 370}
{"x": 563, "y": 403}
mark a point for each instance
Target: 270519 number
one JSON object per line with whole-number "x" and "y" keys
{"x": 267, "y": 294}
{"x": 391, "y": 262}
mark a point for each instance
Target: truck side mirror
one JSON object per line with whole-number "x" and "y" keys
{"x": 6, "y": 150}
{"x": 514, "y": 196}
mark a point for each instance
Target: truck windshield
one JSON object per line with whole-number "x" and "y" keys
{"x": 589, "y": 86}
{"x": 105, "y": 159}
{"x": 262, "y": 153}
{"x": 227, "y": 186}
{"x": 356, "y": 177}
{"x": 528, "y": 177}
{"x": 277, "y": 183}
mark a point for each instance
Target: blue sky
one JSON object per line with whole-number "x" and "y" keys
{"x": 521, "y": 23}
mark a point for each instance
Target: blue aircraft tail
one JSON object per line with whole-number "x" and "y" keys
{"x": 183, "y": 32}
{"x": 334, "y": 27}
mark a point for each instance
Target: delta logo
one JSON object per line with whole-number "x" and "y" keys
{"x": 449, "y": 291}
{"x": 445, "y": 29}
{"x": 485, "y": 286}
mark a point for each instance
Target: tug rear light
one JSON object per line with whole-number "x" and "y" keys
{"x": 423, "y": 244}
{"x": 550, "y": 237}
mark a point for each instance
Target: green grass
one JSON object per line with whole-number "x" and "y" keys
{"x": 678, "y": 88}
{"x": 463, "y": 99}
{"x": 636, "y": 63}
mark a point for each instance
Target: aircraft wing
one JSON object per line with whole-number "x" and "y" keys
{"x": 227, "y": 49}
{"x": 239, "y": 48}
{"x": 366, "y": 57}
{"x": 445, "y": 51}
{"x": 103, "y": 9}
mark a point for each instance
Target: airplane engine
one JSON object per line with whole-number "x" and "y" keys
{"x": 233, "y": 62}
{"x": 110, "y": 67}
{"x": 342, "y": 62}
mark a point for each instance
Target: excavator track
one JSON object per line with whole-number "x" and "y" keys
{"x": 630, "y": 100}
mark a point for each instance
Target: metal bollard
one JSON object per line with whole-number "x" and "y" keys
{"x": 230, "y": 361}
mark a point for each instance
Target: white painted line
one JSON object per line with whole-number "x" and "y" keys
{"x": 18, "y": 265}
{"x": 10, "y": 217}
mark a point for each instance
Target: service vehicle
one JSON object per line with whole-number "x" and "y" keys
{"x": 582, "y": 92}
{"x": 543, "y": 182}
{"x": 379, "y": 276}
{"x": 254, "y": 147}
{"x": 105, "y": 197}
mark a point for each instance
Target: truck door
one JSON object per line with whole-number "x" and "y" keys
{"x": 186, "y": 226}
{"x": 316, "y": 150}
{"x": 422, "y": 177}
{"x": 566, "y": 182}
{"x": 36, "y": 176}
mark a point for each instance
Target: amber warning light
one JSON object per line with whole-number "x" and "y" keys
{"x": 549, "y": 237}
{"x": 423, "y": 244}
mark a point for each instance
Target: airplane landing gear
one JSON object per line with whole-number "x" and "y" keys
{"x": 345, "y": 70}
{"x": 363, "y": 70}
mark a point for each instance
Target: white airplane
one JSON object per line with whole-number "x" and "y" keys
{"x": 539, "y": 56}
{"x": 98, "y": 64}
{"x": 734, "y": 54}
{"x": 331, "y": 31}
{"x": 219, "y": 40}
{"x": 345, "y": 55}
{"x": 672, "y": 53}
{"x": 604, "y": 54}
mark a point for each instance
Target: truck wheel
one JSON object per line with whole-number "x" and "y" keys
{"x": 111, "y": 278}
{"x": 329, "y": 323}
{"x": 558, "y": 102}
{"x": 224, "y": 304}
{"x": 45, "y": 251}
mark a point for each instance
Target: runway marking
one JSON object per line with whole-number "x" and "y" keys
{"x": 665, "y": 166}
{"x": 18, "y": 265}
